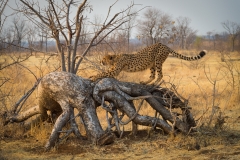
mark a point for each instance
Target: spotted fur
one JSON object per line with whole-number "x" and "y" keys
{"x": 150, "y": 57}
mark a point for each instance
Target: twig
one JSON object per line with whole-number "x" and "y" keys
{"x": 31, "y": 49}
{"x": 24, "y": 97}
{"x": 93, "y": 63}
{"x": 15, "y": 61}
{"x": 135, "y": 114}
{"x": 157, "y": 117}
{"x": 116, "y": 120}
{"x": 7, "y": 79}
{"x": 29, "y": 71}
{"x": 108, "y": 122}
{"x": 104, "y": 106}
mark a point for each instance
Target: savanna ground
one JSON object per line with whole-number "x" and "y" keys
{"x": 212, "y": 87}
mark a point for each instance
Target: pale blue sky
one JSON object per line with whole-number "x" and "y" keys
{"x": 205, "y": 15}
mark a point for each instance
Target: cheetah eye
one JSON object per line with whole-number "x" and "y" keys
{"x": 111, "y": 58}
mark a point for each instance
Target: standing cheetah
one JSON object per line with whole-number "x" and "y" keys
{"x": 150, "y": 57}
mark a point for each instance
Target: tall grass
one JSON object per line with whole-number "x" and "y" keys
{"x": 207, "y": 84}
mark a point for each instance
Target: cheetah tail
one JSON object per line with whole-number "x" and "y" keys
{"x": 199, "y": 56}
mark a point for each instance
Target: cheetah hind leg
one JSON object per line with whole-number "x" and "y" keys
{"x": 159, "y": 78}
{"x": 148, "y": 81}
{"x": 159, "y": 74}
{"x": 157, "y": 82}
{"x": 151, "y": 78}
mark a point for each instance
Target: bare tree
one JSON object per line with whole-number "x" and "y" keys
{"x": 155, "y": 26}
{"x": 19, "y": 30}
{"x": 190, "y": 38}
{"x": 210, "y": 37}
{"x": 213, "y": 39}
{"x": 31, "y": 35}
{"x": 67, "y": 31}
{"x": 185, "y": 34}
{"x": 3, "y": 18}
{"x": 3, "y": 4}
{"x": 233, "y": 30}
{"x": 43, "y": 36}
{"x": 129, "y": 25}
{"x": 216, "y": 38}
{"x": 198, "y": 42}
{"x": 7, "y": 38}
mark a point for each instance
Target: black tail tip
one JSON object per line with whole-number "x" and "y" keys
{"x": 203, "y": 53}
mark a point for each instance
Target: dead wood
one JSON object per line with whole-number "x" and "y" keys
{"x": 61, "y": 92}
{"x": 158, "y": 98}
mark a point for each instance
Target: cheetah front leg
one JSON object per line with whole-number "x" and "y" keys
{"x": 160, "y": 74}
{"x": 111, "y": 73}
{"x": 152, "y": 77}
{"x": 101, "y": 75}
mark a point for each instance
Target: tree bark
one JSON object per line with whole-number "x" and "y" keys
{"x": 125, "y": 89}
{"x": 61, "y": 92}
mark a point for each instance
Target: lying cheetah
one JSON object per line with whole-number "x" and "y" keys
{"x": 150, "y": 57}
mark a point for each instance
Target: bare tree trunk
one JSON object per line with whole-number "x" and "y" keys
{"x": 61, "y": 92}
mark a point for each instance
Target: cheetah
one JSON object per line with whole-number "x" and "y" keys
{"x": 151, "y": 57}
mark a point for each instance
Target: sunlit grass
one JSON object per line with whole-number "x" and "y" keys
{"x": 194, "y": 81}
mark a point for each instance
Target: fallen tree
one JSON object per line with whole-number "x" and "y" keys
{"x": 61, "y": 92}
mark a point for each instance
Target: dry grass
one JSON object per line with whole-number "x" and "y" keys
{"x": 194, "y": 80}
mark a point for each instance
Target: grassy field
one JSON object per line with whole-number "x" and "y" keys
{"x": 210, "y": 85}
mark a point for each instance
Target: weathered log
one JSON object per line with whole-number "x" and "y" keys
{"x": 69, "y": 90}
{"x": 123, "y": 105}
{"x": 23, "y": 116}
{"x": 61, "y": 92}
{"x": 128, "y": 90}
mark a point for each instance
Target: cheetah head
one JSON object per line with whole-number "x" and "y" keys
{"x": 108, "y": 60}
